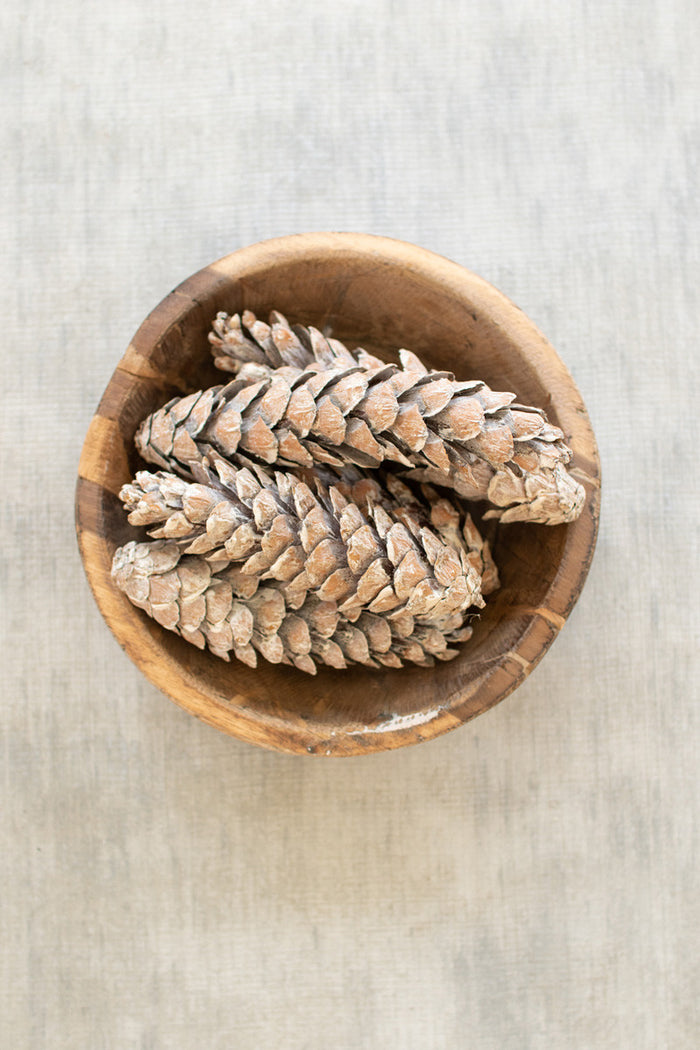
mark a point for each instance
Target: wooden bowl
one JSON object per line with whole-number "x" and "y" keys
{"x": 381, "y": 294}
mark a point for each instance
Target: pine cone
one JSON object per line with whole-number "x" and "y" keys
{"x": 300, "y": 399}
{"x": 229, "y": 612}
{"x": 355, "y": 543}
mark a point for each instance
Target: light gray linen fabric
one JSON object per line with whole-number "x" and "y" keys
{"x": 527, "y": 882}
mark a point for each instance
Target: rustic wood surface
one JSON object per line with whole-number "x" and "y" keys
{"x": 381, "y": 294}
{"x": 527, "y": 882}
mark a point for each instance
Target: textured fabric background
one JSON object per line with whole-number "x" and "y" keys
{"x": 527, "y": 882}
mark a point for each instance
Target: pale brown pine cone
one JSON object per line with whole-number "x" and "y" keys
{"x": 300, "y": 399}
{"x": 229, "y": 612}
{"x": 355, "y": 543}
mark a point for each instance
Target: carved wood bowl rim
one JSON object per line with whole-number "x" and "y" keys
{"x": 381, "y": 293}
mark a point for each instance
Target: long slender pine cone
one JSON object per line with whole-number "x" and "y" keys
{"x": 231, "y": 612}
{"x": 355, "y": 543}
{"x": 301, "y": 398}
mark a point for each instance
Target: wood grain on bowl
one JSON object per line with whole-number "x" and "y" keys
{"x": 381, "y": 294}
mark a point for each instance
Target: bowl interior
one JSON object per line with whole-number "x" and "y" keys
{"x": 381, "y": 295}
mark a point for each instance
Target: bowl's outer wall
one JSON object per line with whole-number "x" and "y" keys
{"x": 381, "y": 294}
